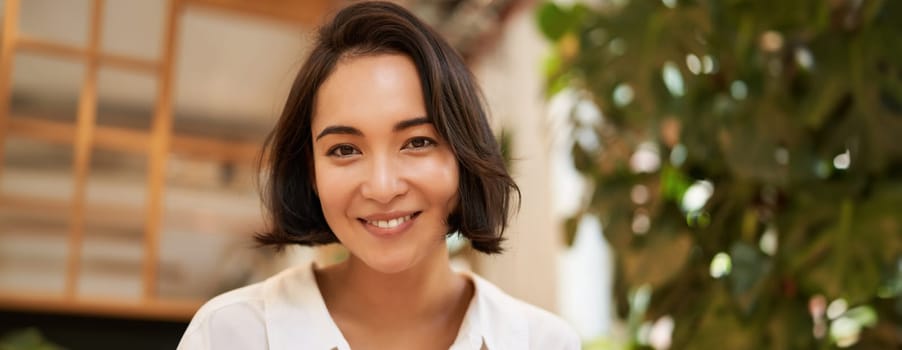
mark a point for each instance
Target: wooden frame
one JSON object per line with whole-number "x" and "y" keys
{"x": 293, "y": 12}
{"x": 84, "y": 134}
{"x": 134, "y": 141}
{"x": 157, "y": 143}
{"x": 161, "y": 132}
{"x": 155, "y": 309}
{"x": 7, "y": 50}
{"x": 73, "y": 52}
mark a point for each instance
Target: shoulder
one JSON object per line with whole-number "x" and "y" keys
{"x": 284, "y": 311}
{"x": 234, "y": 315}
{"x": 546, "y": 330}
{"x": 238, "y": 319}
{"x": 543, "y": 329}
{"x": 241, "y": 296}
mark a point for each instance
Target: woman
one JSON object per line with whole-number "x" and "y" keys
{"x": 383, "y": 146}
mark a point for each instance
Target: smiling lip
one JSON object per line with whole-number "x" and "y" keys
{"x": 388, "y": 224}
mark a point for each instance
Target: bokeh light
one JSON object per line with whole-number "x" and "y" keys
{"x": 623, "y": 95}
{"x": 721, "y": 265}
{"x": 673, "y": 80}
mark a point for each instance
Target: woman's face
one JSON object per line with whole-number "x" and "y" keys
{"x": 386, "y": 179}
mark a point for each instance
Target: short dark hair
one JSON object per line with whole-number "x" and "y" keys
{"x": 453, "y": 104}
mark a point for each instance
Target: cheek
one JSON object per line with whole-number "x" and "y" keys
{"x": 440, "y": 177}
{"x": 332, "y": 188}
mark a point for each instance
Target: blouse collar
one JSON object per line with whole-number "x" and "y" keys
{"x": 293, "y": 299}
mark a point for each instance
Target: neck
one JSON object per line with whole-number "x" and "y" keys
{"x": 427, "y": 289}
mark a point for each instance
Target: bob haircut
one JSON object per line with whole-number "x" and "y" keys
{"x": 453, "y": 104}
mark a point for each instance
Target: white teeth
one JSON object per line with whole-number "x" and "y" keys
{"x": 390, "y": 223}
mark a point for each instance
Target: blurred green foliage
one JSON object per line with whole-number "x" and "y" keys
{"x": 766, "y": 130}
{"x": 26, "y": 339}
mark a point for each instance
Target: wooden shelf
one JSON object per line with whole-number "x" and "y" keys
{"x": 163, "y": 310}
{"x": 305, "y": 13}
{"x": 115, "y": 216}
{"x": 134, "y": 141}
{"x": 74, "y": 52}
{"x": 157, "y": 144}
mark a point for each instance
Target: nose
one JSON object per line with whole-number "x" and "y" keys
{"x": 384, "y": 181}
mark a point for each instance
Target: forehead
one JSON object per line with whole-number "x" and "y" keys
{"x": 369, "y": 89}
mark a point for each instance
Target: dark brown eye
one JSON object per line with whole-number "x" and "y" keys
{"x": 420, "y": 142}
{"x": 342, "y": 151}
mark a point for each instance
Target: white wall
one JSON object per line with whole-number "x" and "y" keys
{"x": 512, "y": 81}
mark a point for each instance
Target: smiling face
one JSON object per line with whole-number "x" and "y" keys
{"x": 386, "y": 179}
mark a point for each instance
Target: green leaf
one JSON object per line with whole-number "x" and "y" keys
{"x": 871, "y": 9}
{"x": 552, "y": 65}
{"x": 716, "y": 322}
{"x": 658, "y": 262}
{"x": 26, "y": 339}
{"x": 769, "y": 151}
{"x": 864, "y": 315}
{"x": 749, "y": 271}
{"x": 570, "y": 227}
{"x": 823, "y": 101}
{"x": 674, "y": 184}
{"x": 553, "y": 21}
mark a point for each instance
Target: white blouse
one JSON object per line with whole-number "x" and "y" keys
{"x": 287, "y": 311}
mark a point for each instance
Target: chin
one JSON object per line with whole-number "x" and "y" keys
{"x": 390, "y": 264}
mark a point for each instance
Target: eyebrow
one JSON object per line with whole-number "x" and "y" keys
{"x": 339, "y": 130}
{"x": 409, "y": 123}
{"x": 350, "y": 130}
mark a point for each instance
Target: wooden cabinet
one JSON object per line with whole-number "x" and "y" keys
{"x": 120, "y": 196}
